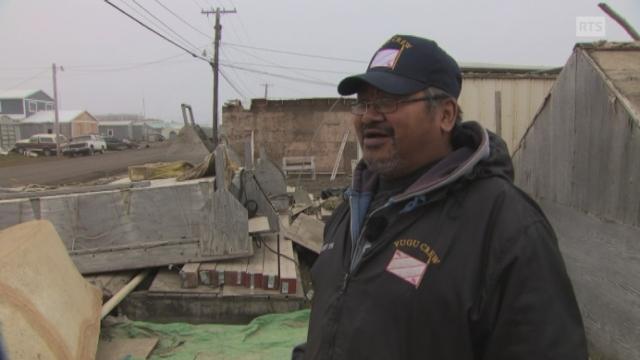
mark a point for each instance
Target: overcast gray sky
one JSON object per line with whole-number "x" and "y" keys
{"x": 111, "y": 63}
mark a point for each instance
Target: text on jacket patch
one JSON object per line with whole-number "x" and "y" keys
{"x": 432, "y": 257}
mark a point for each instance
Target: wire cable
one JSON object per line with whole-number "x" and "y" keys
{"x": 321, "y": 83}
{"x": 184, "y": 21}
{"x": 294, "y": 53}
{"x": 165, "y": 25}
{"x": 238, "y": 76}
{"x": 26, "y": 80}
{"x": 273, "y": 63}
{"x": 231, "y": 84}
{"x": 157, "y": 33}
{"x": 292, "y": 68}
{"x": 119, "y": 67}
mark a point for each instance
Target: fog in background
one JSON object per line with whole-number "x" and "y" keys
{"x": 113, "y": 65}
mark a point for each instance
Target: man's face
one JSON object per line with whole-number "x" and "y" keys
{"x": 398, "y": 143}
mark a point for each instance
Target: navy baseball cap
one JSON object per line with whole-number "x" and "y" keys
{"x": 407, "y": 64}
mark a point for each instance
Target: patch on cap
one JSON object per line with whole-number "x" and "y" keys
{"x": 385, "y": 58}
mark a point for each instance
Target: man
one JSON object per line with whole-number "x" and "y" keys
{"x": 436, "y": 254}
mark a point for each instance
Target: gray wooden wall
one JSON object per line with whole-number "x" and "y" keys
{"x": 581, "y": 160}
{"x": 584, "y": 148}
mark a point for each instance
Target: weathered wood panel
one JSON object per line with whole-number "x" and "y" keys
{"x": 582, "y": 150}
{"x": 580, "y": 158}
{"x": 14, "y": 212}
{"x": 141, "y": 227}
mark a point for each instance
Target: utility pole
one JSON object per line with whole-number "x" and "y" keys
{"x": 56, "y": 124}
{"x": 215, "y": 64}
{"x": 266, "y": 90}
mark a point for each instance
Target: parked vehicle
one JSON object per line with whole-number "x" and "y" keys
{"x": 40, "y": 144}
{"x": 86, "y": 145}
{"x": 117, "y": 144}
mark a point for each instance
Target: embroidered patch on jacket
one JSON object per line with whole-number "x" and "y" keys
{"x": 407, "y": 268}
{"x": 385, "y": 58}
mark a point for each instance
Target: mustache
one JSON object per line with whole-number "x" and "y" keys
{"x": 382, "y": 127}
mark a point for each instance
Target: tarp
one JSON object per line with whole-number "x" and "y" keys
{"x": 270, "y": 336}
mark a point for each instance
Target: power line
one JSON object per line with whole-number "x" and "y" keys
{"x": 157, "y": 33}
{"x": 273, "y": 63}
{"x": 26, "y": 80}
{"x": 321, "y": 83}
{"x": 183, "y": 21}
{"x": 295, "y": 53}
{"x": 291, "y": 68}
{"x": 165, "y": 25}
{"x": 242, "y": 83}
{"x": 152, "y": 21}
{"x": 232, "y": 85}
{"x": 125, "y": 66}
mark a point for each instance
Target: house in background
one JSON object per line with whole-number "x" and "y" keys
{"x": 9, "y": 132}
{"x": 20, "y": 104}
{"x": 117, "y": 129}
{"x": 73, "y": 123}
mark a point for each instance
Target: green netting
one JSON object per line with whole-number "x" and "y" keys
{"x": 270, "y": 336}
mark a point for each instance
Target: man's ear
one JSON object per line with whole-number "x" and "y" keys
{"x": 448, "y": 115}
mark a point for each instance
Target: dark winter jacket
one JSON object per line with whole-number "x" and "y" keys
{"x": 461, "y": 265}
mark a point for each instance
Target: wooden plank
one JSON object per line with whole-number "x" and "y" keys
{"x": 73, "y": 190}
{"x": 140, "y": 227}
{"x": 270, "y": 280}
{"x": 148, "y": 256}
{"x": 255, "y": 267}
{"x": 272, "y": 182}
{"x": 259, "y": 224}
{"x": 306, "y": 231}
{"x": 229, "y": 225}
{"x": 189, "y": 275}
{"x": 288, "y": 273}
{"x": 116, "y": 349}
{"x": 13, "y": 212}
{"x": 110, "y": 283}
{"x": 253, "y": 192}
{"x": 208, "y": 274}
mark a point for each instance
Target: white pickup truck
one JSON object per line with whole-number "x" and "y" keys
{"x": 86, "y": 145}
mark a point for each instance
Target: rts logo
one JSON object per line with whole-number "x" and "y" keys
{"x": 590, "y": 26}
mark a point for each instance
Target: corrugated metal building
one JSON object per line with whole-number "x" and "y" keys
{"x": 72, "y": 123}
{"x": 504, "y": 98}
{"x": 581, "y": 159}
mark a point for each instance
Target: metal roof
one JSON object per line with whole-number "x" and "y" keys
{"x": 115, "y": 123}
{"x": 17, "y": 94}
{"x": 49, "y": 116}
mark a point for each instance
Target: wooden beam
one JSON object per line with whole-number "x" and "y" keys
{"x": 189, "y": 275}
{"x": 73, "y": 190}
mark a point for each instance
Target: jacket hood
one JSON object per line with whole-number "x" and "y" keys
{"x": 477, "y": 153}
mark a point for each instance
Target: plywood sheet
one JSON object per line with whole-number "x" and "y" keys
{"x": 306, "y": 231}
{"x": 47, "y": 309}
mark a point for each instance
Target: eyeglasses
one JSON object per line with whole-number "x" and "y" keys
{"x": 388, "y": 105}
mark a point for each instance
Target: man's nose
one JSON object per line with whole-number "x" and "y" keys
{"x": 372, "y": 114}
